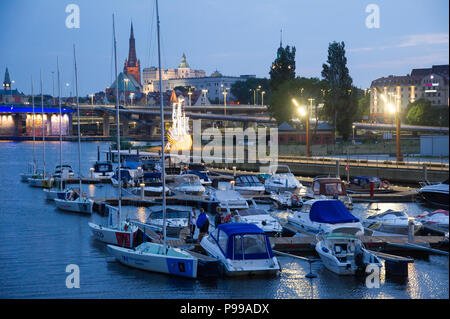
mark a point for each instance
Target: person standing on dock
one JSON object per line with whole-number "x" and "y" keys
{"x": 191, "y": 224}
{"x": 218, "y": 218}
{"x": 202, "y": 224}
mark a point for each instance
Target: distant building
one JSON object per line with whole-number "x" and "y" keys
{"x": 323, "y": 134}
{"x": 132, "y": 64}
{"x": 151, "y": 75}
{"x": 431, "y": 84}
{"x": 7, "y": 94}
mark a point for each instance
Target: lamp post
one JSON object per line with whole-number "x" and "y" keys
{"x": 395, "y": 109}
{"x": 262, "y": 97}
{"x": 190, "y": 96}
{"x": 353, "y": 127}
{"x": 225, "y": 100}
{"x": 303, "y": 111}
{"x": 204, "y": 91}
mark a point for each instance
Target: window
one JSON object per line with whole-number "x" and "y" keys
{"x": 223, "y": 240}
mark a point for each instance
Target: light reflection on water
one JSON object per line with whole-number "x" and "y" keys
{"x": 41, "y": 241}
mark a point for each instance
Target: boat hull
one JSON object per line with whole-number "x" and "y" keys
{"x": 184, "y": 267}
{"x": 436, "y": 199}
{"x": 114, "y": 236}
{"x": 84, "y": 207}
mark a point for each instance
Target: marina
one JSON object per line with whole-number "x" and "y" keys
{"x": 41, "y": 221}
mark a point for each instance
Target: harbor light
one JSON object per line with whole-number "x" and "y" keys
{"x": 391, "y": 108}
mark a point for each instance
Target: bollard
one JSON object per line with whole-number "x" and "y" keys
{"x": 411, "y": 230}
{"x": 372, "y": 188}
{"x": 92, "y": 172}
{"x": 234, "y": 171}
{"x": 142, "y": 190}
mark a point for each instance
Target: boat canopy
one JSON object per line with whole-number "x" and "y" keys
{"x": 240, "y": 241}
{"x": 331, "y": 212}
{"x": 389, "y": 212}
{"x": 103, "y": 167}
{"x": 199, "y": 174}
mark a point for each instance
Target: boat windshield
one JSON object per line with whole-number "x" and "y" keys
{"x": 333, "y": 188}
{"x": 306, "y": 208}
{"x": 103, "y": 167}
{"x": 170, "y": 213}
{"x": 250, "y": 246}
{"x": 247, "y": 180}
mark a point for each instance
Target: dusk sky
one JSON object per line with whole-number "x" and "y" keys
{"x": 234, "y": 36}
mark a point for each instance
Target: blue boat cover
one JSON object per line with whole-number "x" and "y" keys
{"x": 233, "y": 230}
{"x": 240, "y": 228}
{"x": 331, "y": 212}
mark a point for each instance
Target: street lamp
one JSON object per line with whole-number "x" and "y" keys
{"x": 204, "y": 91}
{"x": 262, "y": 97}
{"x": 353, "y": 127}
{"x": 395, "y": 110}
{"x": 303, "y": 111}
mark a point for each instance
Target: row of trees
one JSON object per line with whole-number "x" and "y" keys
{"x": 342, "y": 102}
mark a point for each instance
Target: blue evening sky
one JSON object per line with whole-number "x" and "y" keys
{"x": 234, "y": 36}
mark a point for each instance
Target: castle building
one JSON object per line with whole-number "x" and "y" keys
{"x": 184, "y": 71}
{"x": 8, "y": 94}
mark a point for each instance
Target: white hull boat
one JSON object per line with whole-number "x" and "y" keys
{"x": 438, "y": 219}
{"x": 391, "y": 222}
{"x": 151, "y": 257}
{"x": 437, "y": 194}
{"x": 287, "y": 200}
{"x": 123, "y": 236}
{"x": 281, "y": 180}
{"x": 243, "y": 249}
{"x": 344, "y": 254}
{"x": 40, "y": 182}
{"x": 262, "y": 219}
{"x": 176, "y": 219}
{"x": 327, "y": 216}
{"x": 80, "y": 205}
{"x": 249, "y": 185}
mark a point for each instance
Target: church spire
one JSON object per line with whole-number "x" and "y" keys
{"x": 132, "y": 51}
{"x": 7, "y": 81}
{"x": 281, "y": 38}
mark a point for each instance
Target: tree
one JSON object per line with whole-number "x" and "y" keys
{"x": 283, "y": 68}
{"x": 281, "y": 106}
{"x": 363, "y": 107}
{"x": 243, "y": 90}
{"x": 341, "y": 101}
{"x": 421, "y": 112}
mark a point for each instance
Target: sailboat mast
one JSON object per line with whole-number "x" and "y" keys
{"x": 60, "y": 126}
{"x": 163, "y": 169}
{"x": 78, "y": 118}
{"x": 34, "y": 131}
{"x": 43, "y": 124}
{"x": 117, "y": 119}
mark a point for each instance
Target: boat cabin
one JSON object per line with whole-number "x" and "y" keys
{"x": 103, "y": 167}
{"x": 239, "y": 241}
{"x": 328, "y": 186}
{"x": 364, "y": 181}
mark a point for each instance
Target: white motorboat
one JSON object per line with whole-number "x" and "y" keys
{"x": 203, "y": 177}
{"x": 151, "y": 257}
{"x": 437, "y": 219}
{"x": 327, "y": 216}
{"x": 243, "y": 249}
{"x": 103, "y": 170}
{"x": 230, "y": 199}
{"x": 64, "y": 171}
{"x": 261, "y": 218}
{"x": 281, "y": 179}
{"x": 249, "y": 185}
{"x": 286, "y": 199}
{"x": 75, "y": 203}
{"x": 121, "y": 233}
{"x": 187, "y": 184}
{"x": 176, "y": 219}
{"x": 436, "y": 194}
{"x": 391, "y": 221}
{"x": 329, "y": 187}
{"x": 344, "y": 254}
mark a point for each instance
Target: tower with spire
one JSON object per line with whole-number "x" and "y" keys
{"x": 7, "y": 81}
{"x": 132, "y": 64}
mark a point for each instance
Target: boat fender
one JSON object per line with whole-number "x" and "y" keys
{"x": 385, "y": 184}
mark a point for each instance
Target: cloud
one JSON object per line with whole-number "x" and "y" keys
{"x": 411, "y": 40}
{"x": 414, "y": 62}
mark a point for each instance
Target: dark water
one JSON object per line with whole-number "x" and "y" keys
{"x": 38, "y": 242}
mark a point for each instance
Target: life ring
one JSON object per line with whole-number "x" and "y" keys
{"x": 295, "y": 198}
{"x": 385, "y": 184}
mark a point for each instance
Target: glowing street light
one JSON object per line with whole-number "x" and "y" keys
{"x": 394, "y": 109}
{"x": 302, "y": 110}
{"x": 262, "y": 97}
